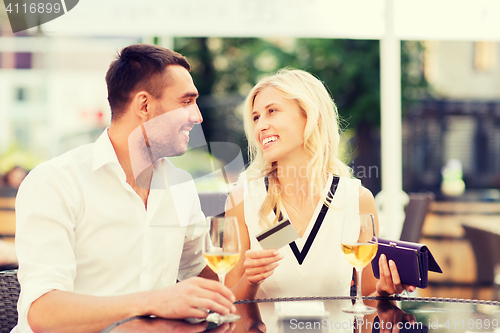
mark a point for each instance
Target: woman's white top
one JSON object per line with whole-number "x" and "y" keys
{"x": 324, "y": 270}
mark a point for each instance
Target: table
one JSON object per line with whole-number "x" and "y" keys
{"x": 428, "y": 314}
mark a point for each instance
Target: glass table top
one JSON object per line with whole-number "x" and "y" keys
{"x": 324, "y": 314}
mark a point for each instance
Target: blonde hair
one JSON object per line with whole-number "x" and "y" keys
{"x": 321, "y": 136}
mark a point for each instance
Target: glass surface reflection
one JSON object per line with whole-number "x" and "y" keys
{"x": 157, "y": 325}
{"x": 325, "y": 315}
{"x": 388, "y": 318}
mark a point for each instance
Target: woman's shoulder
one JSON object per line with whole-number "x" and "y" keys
{"x": 364, "y": 193}
{"x": 353, "y": 188}
{"x": 347, "y": 185}
{"x": 366, "y": 200}
{"x": 237, "y": 193}
{"x": 235, "y": 202}
{"x": 349, "y": 179}
{"x": 244, "y": 187}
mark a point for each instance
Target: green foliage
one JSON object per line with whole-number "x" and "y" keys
{"x": 17, "y": 156}
{"x": 349, "y": 68}
{"x": 351, "y": 71}
{"x": 414, "y": 87}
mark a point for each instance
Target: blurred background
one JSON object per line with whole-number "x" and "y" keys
{"x": 53, "y": 98}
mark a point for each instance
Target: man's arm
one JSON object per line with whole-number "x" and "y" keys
{"x": 45, "y": 242}
{"x": 62, "y": 311}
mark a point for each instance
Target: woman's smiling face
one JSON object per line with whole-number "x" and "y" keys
{"x": 279, "y": 125}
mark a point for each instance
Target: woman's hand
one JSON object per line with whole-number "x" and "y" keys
{"x": 390, "y": 282}
{"x": 388, "y": 312}
{"x": 260, "y": 264}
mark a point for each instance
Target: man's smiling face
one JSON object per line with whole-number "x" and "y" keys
{"x": 174, "y": 114}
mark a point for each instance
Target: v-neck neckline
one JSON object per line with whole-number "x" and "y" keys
{"x": 302, "y": 240}
{"x": 313, "y": 228}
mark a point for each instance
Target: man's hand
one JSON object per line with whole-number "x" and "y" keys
{"x": 260, "y": 264}
{"x": 192, "y": 298}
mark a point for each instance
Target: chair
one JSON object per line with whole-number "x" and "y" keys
{"x": 415, "y": 214}
{"x": 7, "y": 216}
{"x": 9, "y": 294}
{"x": 8, "y": 267}
{"x": 486, "y": 247}
{"x": 213, "y": 203}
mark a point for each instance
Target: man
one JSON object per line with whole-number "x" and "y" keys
{"x": 94, "y": 247}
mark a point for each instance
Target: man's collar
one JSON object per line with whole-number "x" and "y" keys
{"x": 103, "y": 152}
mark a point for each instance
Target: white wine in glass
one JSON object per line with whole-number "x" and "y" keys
{"x": 221, "y": 263}
{"x": 359, "y": 245}
{"x": 222, "y": 250}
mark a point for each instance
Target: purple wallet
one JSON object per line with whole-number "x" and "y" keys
{"x": 412, "y": 259}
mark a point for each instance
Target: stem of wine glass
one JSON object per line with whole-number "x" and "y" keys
{"x": 359, "y": 299}
{"x": 222, "y": 278}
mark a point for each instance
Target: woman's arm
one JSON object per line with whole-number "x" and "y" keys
{"x": 234, "y": 207}
{"x": 253, "y": 267}
{"x": 236, "y": 278}
{"x": 389, "y": 282}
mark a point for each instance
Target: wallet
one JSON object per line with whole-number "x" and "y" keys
{"x": 413, "y": 261}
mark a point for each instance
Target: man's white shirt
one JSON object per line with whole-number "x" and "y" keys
{"x": 80, "y": 227}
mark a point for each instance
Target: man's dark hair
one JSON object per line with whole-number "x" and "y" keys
{"x": 139, "y": 67}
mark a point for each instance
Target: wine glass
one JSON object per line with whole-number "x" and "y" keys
{"x": 222, "y": 251}
{"x": 359, "y": 245}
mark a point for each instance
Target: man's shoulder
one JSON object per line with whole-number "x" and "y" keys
{"x": 70, "y": 160}
{"x": 74, "y": 156}
{"x": 61, "y": 173}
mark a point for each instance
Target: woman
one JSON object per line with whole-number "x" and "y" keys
{"x": 291, "y": 124}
